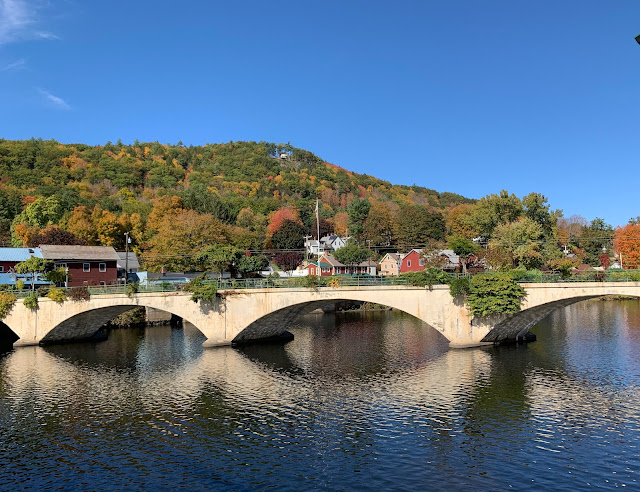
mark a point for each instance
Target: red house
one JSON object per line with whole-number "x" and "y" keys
{"x": 412, "y": 262}
{"x": 330, "y": 266}
{"x": 87, "y": 265}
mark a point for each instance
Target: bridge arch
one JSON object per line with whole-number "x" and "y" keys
{"x": 253, "y": 315}
{"x": 86, "y": 324}
{"x": 275, "y": 324}
{"x": 53, "y": 322}
{"x": 537, "y": 306}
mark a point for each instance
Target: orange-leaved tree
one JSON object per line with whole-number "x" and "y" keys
{"x": 626, "y": 240}
{"x": 277, "y": 218}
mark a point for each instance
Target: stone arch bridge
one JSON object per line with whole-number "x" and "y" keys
{"x": 242, "y": 316}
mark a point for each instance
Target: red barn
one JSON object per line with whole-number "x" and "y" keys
{"x": 9, "y": 257}
{"x": 412, "y": 262}
{"x": 87, "y": 265}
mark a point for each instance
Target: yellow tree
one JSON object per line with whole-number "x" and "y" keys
{"x": 81, "y": 225}
{"x": 340, "y": 222}
{"x": 459, "y": 221}
{"x": 179, "y": 237}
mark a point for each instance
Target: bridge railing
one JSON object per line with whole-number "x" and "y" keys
{"x": 329, "y": 281}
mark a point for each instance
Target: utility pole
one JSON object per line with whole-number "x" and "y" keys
{"x": 127, "y": 240}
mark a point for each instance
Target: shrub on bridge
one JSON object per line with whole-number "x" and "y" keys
{"x": 494, "y": 293}
{"x": 311, "y": 281}
{"x": 79, "y": 294}
{"x": 31, "y": 302}
{"x": 131, "y": 289}
{"x": 426, "y": 278}
{"x": 460, "y": 287}
{"x": 7, "y": 301}
{"x": 57, "y": 295}
{"x": 202, "y": 289}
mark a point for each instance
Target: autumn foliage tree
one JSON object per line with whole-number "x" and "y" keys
{"x": 288, "y": 261}
{"x": 626, "y": 240}
{"x": 278, "y": 218}
{"x": 55, "y": 235}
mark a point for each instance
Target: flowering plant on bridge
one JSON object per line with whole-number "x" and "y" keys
{"x": 495, "y": 293}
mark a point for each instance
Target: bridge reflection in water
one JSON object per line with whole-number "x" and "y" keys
{"x": 364, "y": 399}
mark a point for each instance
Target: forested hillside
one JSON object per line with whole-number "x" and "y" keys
{"x": 175, "y": 199}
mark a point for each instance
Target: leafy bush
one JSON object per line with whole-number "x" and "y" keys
{"x": 19, "y": 284}
{"x": 202, "y": 289}
{"x": 428, "y": 277}
{"x": 31, "y": 302}
{"x": 518, "y": 274}
{"x": 627, "y": 275}
{"x": 492, "y": 293}
{"x": 131, "y": 289}
{"x": 460, "y": 286}
{"x": 57, "y": 295}
{"x": 310, "y": 281}
{"x": 42, "y": 291}
{"x": 7, "y": 302}
{"x": 79, "y": 294}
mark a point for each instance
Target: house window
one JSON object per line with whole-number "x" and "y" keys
{"x": 86, "y": 267}
{"x": 103, "y": 283}
{"x": 1, "y": 268}
{"x": 421, "y": 261}
{"x": 86, "y": 282}
{"x": 408, "y": 263}
{"x": 102, "y": 267}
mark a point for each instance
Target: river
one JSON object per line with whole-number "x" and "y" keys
{"x": 356, "y": 401}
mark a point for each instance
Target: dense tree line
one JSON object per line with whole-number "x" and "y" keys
{"x": 176, "y": 201}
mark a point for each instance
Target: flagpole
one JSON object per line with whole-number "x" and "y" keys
{"x": 318, "y": 224}
{"x": 318, "y": 232}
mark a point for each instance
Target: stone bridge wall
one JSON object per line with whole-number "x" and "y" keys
{"x": 239, "y": 316}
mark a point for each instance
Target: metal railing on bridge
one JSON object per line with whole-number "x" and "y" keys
{"x": 329, "y": 281}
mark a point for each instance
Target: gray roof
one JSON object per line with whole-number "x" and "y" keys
{"x": 57, "y": 252}
{"x": 453, "y": 258}
{"x": 19, "y": 254}
{"x": 133, "y": 260}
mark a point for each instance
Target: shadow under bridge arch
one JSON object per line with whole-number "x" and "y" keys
{"x": 87, "y": 323}
{"x": 275, "y": 324}
{"x": 516, "y": 326}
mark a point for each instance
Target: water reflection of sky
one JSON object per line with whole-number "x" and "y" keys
{"x": 353, "y": 402}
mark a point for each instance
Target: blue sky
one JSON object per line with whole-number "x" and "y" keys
{"x": 464, "y": 96}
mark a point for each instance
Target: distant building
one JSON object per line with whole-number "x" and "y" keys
{"x": 10, "y": 257}
{"x": 327, "y": 265}
{"x": 132, "y": 262}
{"x": 86, "y": 265}
{"x": 390, "y": 264}
{"x": 413, "y": 261}
{"x": 326, "y": 244}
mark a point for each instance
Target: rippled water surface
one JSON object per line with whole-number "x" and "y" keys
{"x": 356, "y": 401}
